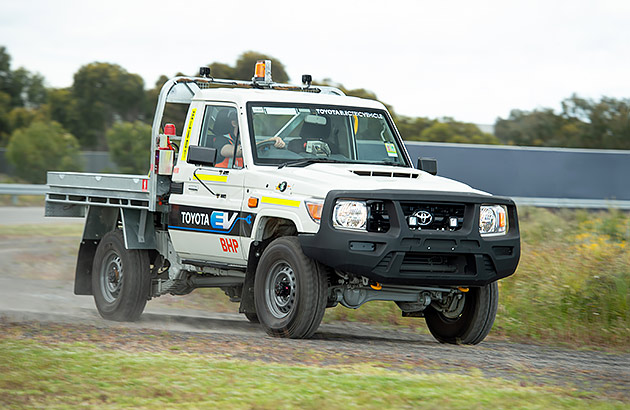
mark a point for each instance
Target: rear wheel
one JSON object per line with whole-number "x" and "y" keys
{"x": 469, "y": 324}
{"x": 121, "y": 279}
{"x": 290, "y": 290}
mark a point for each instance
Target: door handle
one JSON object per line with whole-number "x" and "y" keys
{"x": 193, "y": 188}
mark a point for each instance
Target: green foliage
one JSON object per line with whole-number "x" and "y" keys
{"x": 81, "y": 375}
{"x": 42, "y": 146}
{"x": 449, "y": 130}
{"x": 129, "y": 146}
{"x": 444, "y": 130}
{"x": 21, "y": 117}
{"x": 5, "y": 107}
{"x": 105, "y": 93}
{"x": 411, "y": 128}
{"x": 603, "y": 124}
{"x": 62, "y": 107}
{"x": 573, "y": 280}
{"x": 582, "y": 124}
{"x": 21, "y": 92}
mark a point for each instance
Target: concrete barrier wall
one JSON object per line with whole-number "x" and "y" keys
{"x": 533, "y": 172}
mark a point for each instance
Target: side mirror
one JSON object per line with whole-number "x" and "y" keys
{"x": 202, "y": 155}
{"x": 428, "y": 165}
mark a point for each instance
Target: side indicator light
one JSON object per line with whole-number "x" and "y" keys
{"x": 315, "y": 210}
{"x": 252, "y": 202}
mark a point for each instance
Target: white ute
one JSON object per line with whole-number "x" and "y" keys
{"x": 291, "y": 199}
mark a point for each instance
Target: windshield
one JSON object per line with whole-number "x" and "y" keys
{"x": 290, "y": 133}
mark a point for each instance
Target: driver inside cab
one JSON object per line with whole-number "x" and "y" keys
{"x": 228, "y": 137}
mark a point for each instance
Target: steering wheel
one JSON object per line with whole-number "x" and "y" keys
{"x": 266, "y": 144}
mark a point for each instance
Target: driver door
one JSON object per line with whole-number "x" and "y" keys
{"x": 205, "y": 221}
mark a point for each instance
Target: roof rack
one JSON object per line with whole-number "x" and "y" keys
{"x": 261, "y": 80}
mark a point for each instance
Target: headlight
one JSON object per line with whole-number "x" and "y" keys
{"x": 350, "y": 215}
{"x": 493, "y": 220}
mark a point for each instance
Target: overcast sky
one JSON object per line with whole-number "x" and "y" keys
{"x": 471, "y": 60}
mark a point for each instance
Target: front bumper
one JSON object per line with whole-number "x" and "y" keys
{"x": 418, "y": 257}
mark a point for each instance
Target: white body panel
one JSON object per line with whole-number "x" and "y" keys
{"x": 235, "y": 186}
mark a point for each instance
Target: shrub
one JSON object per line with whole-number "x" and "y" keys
{"x": 40, "y": 147}
{"x": 129, "y": 145}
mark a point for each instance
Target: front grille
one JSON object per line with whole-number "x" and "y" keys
{"x": 419, "y": 263}
{"x": 433, "y": 216}
{"x": 378, "y": 218}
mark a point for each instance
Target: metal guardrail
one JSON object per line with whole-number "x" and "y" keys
{"x": 23, "y": 189}
{"x": 16, "y": 190}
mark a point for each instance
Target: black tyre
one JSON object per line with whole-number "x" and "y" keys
{"x": 290, "y": 290}
{"x": 252, "y": 317}
{"x": 121, "y": 279}
{"x": 472, "y": 324}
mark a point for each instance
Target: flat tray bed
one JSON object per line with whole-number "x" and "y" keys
{"x": 70, "y": 193}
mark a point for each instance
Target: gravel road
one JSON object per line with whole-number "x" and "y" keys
{"x": 37, "y": 302}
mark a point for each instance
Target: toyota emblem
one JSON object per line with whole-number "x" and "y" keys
{"x": 424, "y": 217}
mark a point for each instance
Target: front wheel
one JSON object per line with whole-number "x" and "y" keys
{"x": 471, "y": 323}
{"x": 290, "y": 290}
{"x": 121, "y": 279}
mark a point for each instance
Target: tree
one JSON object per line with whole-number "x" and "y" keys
{"x": 604, "y": 124}
{"x": 105, "y": 93}
{"x": 449, "y": 130}
{"x": 220, "y": 70}
{"x": 5, "y": 70}
{"x": 583, "y": 123}
{"x": 411, "y": 128}
{"x": 129, "y": 146}
{"x": 541, "y": 127}
{"x": 5, "y": 107}
{"x": 63, "y": 108}
{"x": 42, "y": 146}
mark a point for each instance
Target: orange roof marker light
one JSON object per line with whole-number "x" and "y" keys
{"x": 262, "y": 73}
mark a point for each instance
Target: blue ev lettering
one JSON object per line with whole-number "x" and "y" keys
{"x": 223, "y": 220}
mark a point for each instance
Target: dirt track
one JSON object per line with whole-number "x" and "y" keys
{"x": 37, "y": 302}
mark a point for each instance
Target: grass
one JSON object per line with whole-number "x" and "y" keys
{"x": 22, "y": 200}
{"x": 573, "y": 280}
{"x": 84, "y": 376}
{"x": 56, "y": 230}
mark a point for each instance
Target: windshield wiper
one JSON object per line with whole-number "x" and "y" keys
{"x": 308, "y": 161}
{"x": 393, "y": 163}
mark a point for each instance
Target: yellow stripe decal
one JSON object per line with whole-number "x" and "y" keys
{"x": 213, "y": 178}
{"x": 279, "y": 201}
{"x": 188, "y": 130}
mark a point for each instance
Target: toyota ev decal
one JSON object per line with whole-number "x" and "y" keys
{"x": 219, "y": 221}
